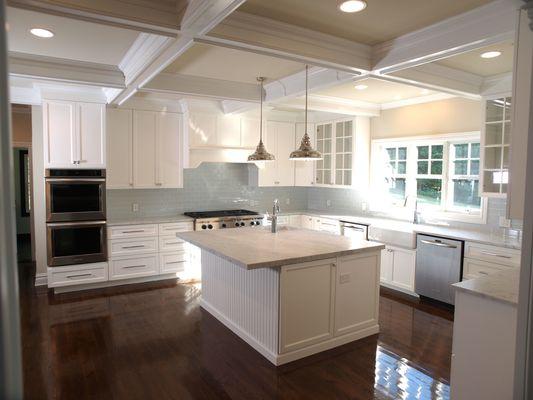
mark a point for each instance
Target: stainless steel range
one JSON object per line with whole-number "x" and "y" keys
{"x": 205, "y": 220}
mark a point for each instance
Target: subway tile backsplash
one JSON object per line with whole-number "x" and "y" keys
{"x": 214, "y": 186}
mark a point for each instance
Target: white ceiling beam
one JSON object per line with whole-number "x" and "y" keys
{"x": 200, "y": 17}
{"x": 331, "y": 105}
{"x": 202, "y": 87}
{"x": 158, "y": 17}
{"x": 65, "y": 71}
{"x": 485, "y": 25}
{"x": 265, "y": 36}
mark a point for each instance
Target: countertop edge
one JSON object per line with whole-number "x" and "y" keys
{"x": 505, "y": 276}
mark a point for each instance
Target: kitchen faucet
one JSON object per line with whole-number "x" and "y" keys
{"x": 275, "y": 211}
{"x": 416, "y": 214}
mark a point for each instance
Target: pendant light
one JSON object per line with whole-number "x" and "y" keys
{"x": 261, "y": 153}
{"x": 306, "y": 151}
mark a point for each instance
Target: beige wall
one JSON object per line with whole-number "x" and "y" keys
{"x": 445, "y": 116}
{"x": 21, "y": 124}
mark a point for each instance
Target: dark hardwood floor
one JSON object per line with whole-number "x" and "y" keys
{"x": 153, "y": 341}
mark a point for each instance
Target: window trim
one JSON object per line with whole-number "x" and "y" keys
{"x": 441, "y": 212}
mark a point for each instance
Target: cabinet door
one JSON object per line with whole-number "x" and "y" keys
{"x": 144, "y": 149}
{"x": 307, "y": 293}
{"x": 60, "y": 143}
{"x": 285, "y": 145}
{"x": 91, "y": 135}
{"x": 202, "y": 130}
{"x": 323, "y": 168}
{"x": 307, "y": 222}
{"x": 228, "y": 131}
{"x": 295, "y": 220}
{"x": 249, "y": 132}
{"x": 168, "y": 172}
{"x": 386, "y": 265}
{"x": 403, "y": 269}
{"x": 119, "y": 134}
{"x": 304, "y": 171}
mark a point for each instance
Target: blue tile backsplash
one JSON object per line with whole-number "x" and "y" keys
{"x": 214, "y": 186}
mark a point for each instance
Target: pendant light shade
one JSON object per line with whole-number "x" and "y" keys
{"x": 306, "y": 151}
{"x": 261, "y": 153}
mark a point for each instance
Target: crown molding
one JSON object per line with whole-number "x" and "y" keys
{"x": 416, "y": 100}
{"x": 497, "y": 84}
{"x": 65, "y": 71}
{"x": 492, "y": 23}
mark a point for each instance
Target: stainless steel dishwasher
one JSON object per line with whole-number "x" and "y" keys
{"x": 438, "y": 266}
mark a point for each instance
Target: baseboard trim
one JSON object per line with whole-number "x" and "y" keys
{"x": 41, "y": 279}
{"x": 280, "y": 359}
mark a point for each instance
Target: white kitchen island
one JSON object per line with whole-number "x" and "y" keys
{"x": 290, "y": 294}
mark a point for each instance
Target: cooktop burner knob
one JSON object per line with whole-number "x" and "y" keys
{"x": 210, "y": 226}
{"x": 252, "y": 223}
{"x": 236, "y": 224}
{"x": 204, "y": 226}
{"x": 223, "y": 225}
{"x": 242, "y": 224}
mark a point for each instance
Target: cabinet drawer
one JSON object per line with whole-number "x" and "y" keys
{"x": 172, "y": 262}
{"x": 493, "y": 254}
{"x": 477, "y": 268}
{"x": 131, "y": 231}
{"x": 132, "y": 267}
{"x": 331, "y": 226}
{"x": 77, "y": 274}
{"x": 283, "y": 220}
{"x": 171, "y": 243}
{"x": 124, "y": 247}
{"x": 169, "y": 229}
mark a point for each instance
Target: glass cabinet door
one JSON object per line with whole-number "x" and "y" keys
{"x": 323, "y": 145}
{"x": 343, "y": 152}
{"x": 496, "y": 141}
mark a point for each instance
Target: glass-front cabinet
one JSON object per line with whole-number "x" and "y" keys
{"x": 495, "y": 143}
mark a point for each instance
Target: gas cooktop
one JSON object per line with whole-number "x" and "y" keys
{"x": 220, "y": 214}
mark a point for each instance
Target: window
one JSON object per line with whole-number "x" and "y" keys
{"x": 441, "y": 173}
{"x": 335, "y": 141}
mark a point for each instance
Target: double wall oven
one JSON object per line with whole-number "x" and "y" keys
{"x": 75, "y": 216}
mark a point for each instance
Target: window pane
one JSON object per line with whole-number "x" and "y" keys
{"x": 429, "y": 190}
{"x": 402, "y": 153}
{"x": 319, "y": 176}
{"x": 461, "y": 167}
{"x": 402, "y": 167}
{"x": 423, "y": 152}
{"x": 391, "y": 153}
{"x": 320, "y": 132}
{"x": 475, "y": 150}
{"x": 339, "y": 146}
{"x": 339, "y": 131}
{"x": 327, "y": 134}
{"x": 422, "y": 167}
{"x": 327, "y": 178}
{"x": 327, "y": 146}
{"x": 327, "y": 162}
{"x": 461, "y": 150}
{"x": 436, "y": 152}
{"x": 465, "y": 193}
{"x": 347, "y": 177}
{"x": 494, "y": 110}
{"x": 320, "y": 164}
{"x": 320, "y": 145}
{"x": 348, "y": 144}
{"x": 474, "y": 167}
{"x": 348, "y": 161}
{"x": 436, "y": 167}
{"x": 338, "y": 177}
{"x": 339, "y": 161}
{"x": 397, "y": 188}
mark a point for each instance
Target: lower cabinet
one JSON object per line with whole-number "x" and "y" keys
{"x": 398, "y": 268}
{"x": 133, "y": 266}
{"x": 482, "y": 259}
{"x": 77, "y": 274}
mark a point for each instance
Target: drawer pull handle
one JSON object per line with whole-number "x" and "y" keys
{"x": 174, "y": 262}
{"x": 174, "y": 242}
{"x": 439, "y": 244}
{"x": 137, "y": 231}
{"x": 78, "y": 276}
{"x": 483, "y": 272}
{"x": 488, "y": 253}
{"x": 135, "y": 266}
{"x": 138, "y": 246}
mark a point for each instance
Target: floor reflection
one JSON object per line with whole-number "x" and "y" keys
{"x": 396, "y": 379}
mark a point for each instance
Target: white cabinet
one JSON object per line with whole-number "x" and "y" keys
{"x": 222, "y": 131}
{"x": 74, "y": 134}
{"x": 482, "y": 259}
{"x": 329, "y": 225}
{"x": 202, "y": 130}
{"x": 228, "y": 131}
{"x": 398, "y": 268}
{"x": 81, "y": 274}
{"x": 295, "y": 220}
{"x": 144, "y": 149}
{"x": 304, "y": 171}
{"x": 249, "y": 132}
{"x": 119, "y": 148}
{"x": 279, "y": 140}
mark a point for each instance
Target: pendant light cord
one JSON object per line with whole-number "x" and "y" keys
{"x": 261, "y": 113}
{"x": 306, "y": 90}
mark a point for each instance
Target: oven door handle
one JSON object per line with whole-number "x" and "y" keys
{"x": 78, "y": 180}
{"x": 83, "y": 223}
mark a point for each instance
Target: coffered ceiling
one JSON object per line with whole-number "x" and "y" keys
{"x": 367, "y": 26}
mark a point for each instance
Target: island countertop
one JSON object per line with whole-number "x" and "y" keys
{"x": 257, "y": 247}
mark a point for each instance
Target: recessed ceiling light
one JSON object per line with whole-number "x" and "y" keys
{"x": 491, "y": 54}
{"x": 42, "y": 33}
{"x": 352, "y": 6}
{"x": 361, "y": 87}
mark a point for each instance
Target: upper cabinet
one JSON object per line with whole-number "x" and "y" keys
{"x": 222, "y": 131}
{"x": 145, "y": 149}
{"x": 279, "y": 140}
{"x": 495, "y": 144}
{"x": 74, "y": 134}
{"x": 345, "y": 148}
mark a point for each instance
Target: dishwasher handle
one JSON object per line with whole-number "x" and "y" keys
{"x": 439, "y": 244}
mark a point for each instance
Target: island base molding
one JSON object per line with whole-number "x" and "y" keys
{"x": 297, "y": 310}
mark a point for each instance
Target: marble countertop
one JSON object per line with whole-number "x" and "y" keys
{"x": 253, "y": 248}
{"x": 500, "y": 286}
{"x": 148, "y": 220}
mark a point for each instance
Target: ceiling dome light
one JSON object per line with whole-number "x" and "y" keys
{"x": 352, "y": 6}
{"x": 491, "y": 54}
{"x": 361, "y": 87}
{"x": 42, "y": 33}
